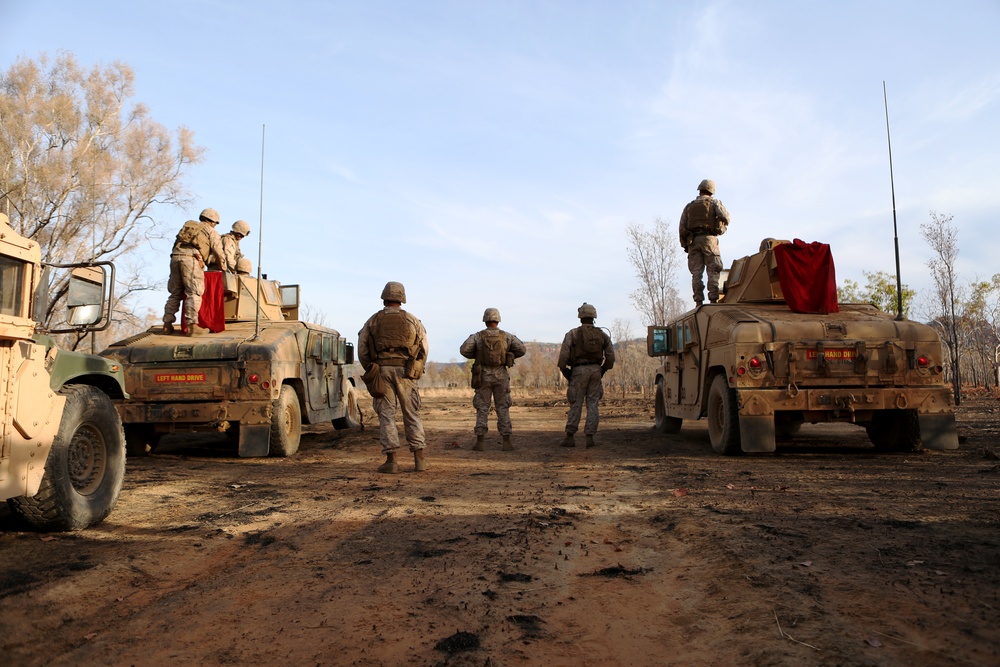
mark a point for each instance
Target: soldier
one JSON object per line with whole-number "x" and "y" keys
{"x": 196, "y": 243}
{"x": 392, "y": 348}
{"x": 494, "y": 351}
{"x": 231, "y": 247}
{"x": 586, "y": 355}
{"x": 702, "y": 222}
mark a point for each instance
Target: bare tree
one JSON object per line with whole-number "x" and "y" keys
{"x": 653, "y": 254}
{"x": 80, "y": 165}
{"x": 942, "y": 236}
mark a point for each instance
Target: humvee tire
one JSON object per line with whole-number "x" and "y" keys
{"x": 140, "y": 439}
{"x": 353, "y": 417}
{"x": 895, "y": 431}
{"x": 723, "y": 418}
{"x": 85, "y": 467}
{"x": 665, "y": 424}
{"x": 286, "y": 423}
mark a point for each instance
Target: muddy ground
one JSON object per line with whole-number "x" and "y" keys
{"x": 646, "y": 550}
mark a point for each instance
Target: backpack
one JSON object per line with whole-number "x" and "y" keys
{"x": 590, "y": 345}
{"x": 193, "y": 235}
{"x": 492, "y": 348}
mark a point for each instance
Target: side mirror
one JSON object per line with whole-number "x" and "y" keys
{"x": 85, "y": 298}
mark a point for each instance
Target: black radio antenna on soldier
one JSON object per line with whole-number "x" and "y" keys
{"x": 895, "y": 229}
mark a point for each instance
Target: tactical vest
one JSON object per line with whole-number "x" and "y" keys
{"x": 194, "y": 235}
{"x": 395, "y": 335}
{"x": 589, "y": 345}
{"x": 701, "y": 219}
{"x": 492, "y": 348}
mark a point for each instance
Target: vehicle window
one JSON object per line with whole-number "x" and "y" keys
{"x": 327, "y": 348}
{"x": 12, "y": 272}
{"x": 315, "y": 345}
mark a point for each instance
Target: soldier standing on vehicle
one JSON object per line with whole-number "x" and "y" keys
{"x": 702, "y": 222}
{"x": 494, "y": 351}
{"x": 197, "y": 242}
{"x": 231, "y": 247}
{"x": 392, "y": 348}
{"x": 586, "y": 355}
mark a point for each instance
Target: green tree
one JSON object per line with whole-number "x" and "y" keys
{"x": 81, "y": 165}
{"x": 942, "y": 236}
{"x": 880, "y": 291}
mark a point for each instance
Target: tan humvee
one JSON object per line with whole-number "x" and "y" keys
{"x": 756, "y": 370}
{"x": 258, "y": 380}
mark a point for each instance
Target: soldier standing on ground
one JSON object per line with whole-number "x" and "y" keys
{"x": 231, "y": 247}
{"x": 494, "y": 351}
{"x": 392, "y": 348}
{"x": 586, "y": 355}
{"x": 196, "y": 244}
{"x": 702, "y": 222}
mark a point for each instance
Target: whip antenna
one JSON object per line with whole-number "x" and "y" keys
{"x": 895, "y": 230}
{"x": 260, "y": 232}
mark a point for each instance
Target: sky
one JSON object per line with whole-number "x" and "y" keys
{"x": 492, "y": 154}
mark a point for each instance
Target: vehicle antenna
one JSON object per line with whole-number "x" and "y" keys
{"x": 895, "y": 230}
{"x": 260, "y": 233}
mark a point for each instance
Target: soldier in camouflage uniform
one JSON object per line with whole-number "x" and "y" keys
{"x": 494, "y": 351}
{"x": 231, "y": 247}
{"x": 585, "y": 356}
{"x": 392, "y": 348}
{"x": 702, "y": 222}
{"x": 196, "y": 244}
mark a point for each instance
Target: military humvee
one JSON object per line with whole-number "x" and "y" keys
{"x": 62, "y": 457}
{"x": 258, "y": 380}
{"x": 756, "y": 370}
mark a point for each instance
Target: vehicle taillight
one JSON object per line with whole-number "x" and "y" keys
{"x": 755, "y": 364}
{"x": 923, "y": 361}
{"x": 253, "y": 378}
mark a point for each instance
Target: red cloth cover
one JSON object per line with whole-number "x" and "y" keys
{"x": 807, "y": 276}
{"x": 212, "y": 315}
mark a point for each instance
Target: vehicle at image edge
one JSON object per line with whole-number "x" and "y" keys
{"x": 757, "y": 371}
{"x": 62, "y": 462}
{"x": 258, "y": 380}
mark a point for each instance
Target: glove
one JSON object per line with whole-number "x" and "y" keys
{"x": 567, "y": 373}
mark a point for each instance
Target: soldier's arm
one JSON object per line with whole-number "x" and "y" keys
{"x": 515, "y": 346}
{"x": 215, "y": 244}
{"x": 423, "y": 349}
{"x": 564, "y": 351}
{"x": 468, "y": 348}
{"x": 609, "y": 354}
{"x": 723, "y": 214}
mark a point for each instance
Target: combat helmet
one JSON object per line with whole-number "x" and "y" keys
{"x": 586, "y": 310}
{"x": 209, "y": 214}
{"x": 491, "y": 315}
{"x": 241, "y": 227}
{"x": 394, "y": 291}
{"x": 708, "y": 186}
{"x": 243, "y": 266}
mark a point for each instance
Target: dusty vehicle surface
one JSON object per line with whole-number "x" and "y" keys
{"x": 758, "y": 369}
{"x": 62, "y": 457}
{"x": 258, "y": 380}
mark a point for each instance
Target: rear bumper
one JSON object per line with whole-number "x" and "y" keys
{"x": 844, "y": 402}
{"x": 192, "y": 415}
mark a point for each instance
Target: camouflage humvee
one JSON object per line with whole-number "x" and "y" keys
{"x": 756, "y": 370}
{"x": 258, "y": 380}
{"x": 62, "y": 454}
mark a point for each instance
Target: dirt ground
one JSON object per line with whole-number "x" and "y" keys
{"x": 645, "y": 550}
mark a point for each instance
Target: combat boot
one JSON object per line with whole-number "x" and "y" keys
{"x": 195, "y": 330}
{"x": 390, "y": 465}
{"x": 507, "y": 447}
{"x": 420, "y": 463}
{"x": 568, "y": 440}
{"x": 478, "y": 447}
{"x": 590, "y": 442}
{"x": 168, "y": 329}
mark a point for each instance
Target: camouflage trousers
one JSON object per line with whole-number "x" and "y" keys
{"x": 495, "y": 388}
{"x": 187, "y": 284}
{"x": 585, "y": 386}
{"x": 703, "y": 256}
{"x": 407, "y": 397}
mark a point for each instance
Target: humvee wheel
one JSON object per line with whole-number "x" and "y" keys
{"x": 723, "y": 418}
{"x": 286, "y": 423}
{"x": 665, "y": 424}
{"x": 85, "y": 467}
{"x": 895, "y": 431}
{"x": 353, "y": 417}
{"x": 140, "y": 439}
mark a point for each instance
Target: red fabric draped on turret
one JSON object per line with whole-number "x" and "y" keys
{"x": 807, "y": 276}
{"x": 212, "y": 314}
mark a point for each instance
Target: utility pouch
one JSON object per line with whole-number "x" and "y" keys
{"x": 414, "y": 369}
{"x": 477, "y": 375}
{"x": 377, "y": 386}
